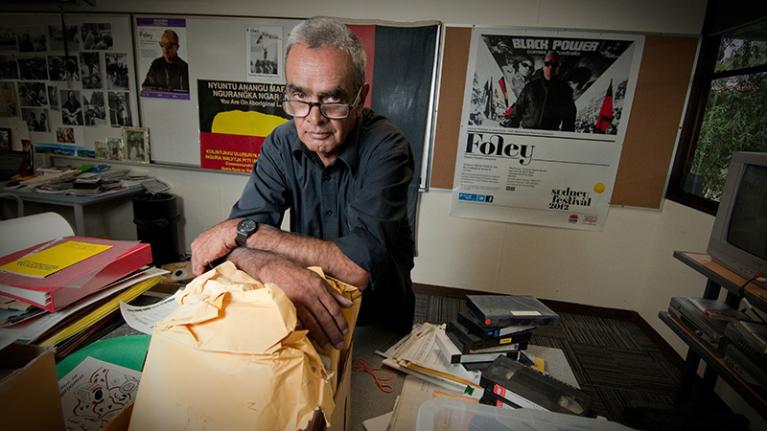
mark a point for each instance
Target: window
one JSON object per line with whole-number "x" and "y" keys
{"x": 727, "y": 112}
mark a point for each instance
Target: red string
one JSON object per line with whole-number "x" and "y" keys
{"x": 380, "y": 376}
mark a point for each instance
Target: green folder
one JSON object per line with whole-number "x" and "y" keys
{"x": 128, "y": 351}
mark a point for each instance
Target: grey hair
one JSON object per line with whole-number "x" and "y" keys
{"x": 326, "y": 32}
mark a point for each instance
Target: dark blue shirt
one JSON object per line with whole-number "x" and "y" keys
{"x": 359, "y": 202}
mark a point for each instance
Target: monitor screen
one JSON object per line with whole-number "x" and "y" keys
{"x": 748, "y": 221}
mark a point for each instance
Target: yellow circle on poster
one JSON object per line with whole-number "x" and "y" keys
{"x": 599, "y": 187}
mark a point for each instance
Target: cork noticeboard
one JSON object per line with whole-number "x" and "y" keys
{"x": 664, "y": 77}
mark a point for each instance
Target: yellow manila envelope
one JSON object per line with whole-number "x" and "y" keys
{"x": 229, "y": 358}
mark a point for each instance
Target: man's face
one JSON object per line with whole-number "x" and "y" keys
{"x": 551, "y": 69}
{"x": 169, "y": 47}
{"x": 322, "y": 75}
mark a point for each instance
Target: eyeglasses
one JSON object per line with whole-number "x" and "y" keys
{"x": 167, "y": 45}
{"x": 331, "y": 111}
{"x": 527, "y": 65}
{"x": 551, "y": 63}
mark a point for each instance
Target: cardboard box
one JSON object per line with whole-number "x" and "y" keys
{"x": 29, "y": 391}
{"x": 340, "y": 419}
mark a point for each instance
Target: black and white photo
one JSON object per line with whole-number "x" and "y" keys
{"x": 53, "y": 97}
{"x": 9, "y": 69}
{"x": 264, "y": 51}
{"x": 71, "y": 108}
{"x": 94, "y": 108}
{"x": 119, "y": 109}
{"x": 90, "y": 70}
{"x": 34, "y": 67}
{"x": 96, "y": 36}
{"x": 7, "y": 39}
{"x": 56, "y": 38}
{"x": 136, "y": 141}
{"x": 31, "y": 39}
{"x": 32, "y": 94}
{"x": 117, "y": 71}
{"x": 63, "y": 68}
{"x": 8, "y": 103}
{"x": 36, "y": 118}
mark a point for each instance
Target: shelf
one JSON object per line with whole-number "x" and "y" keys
{"x": 713, "y": 270}
{"x": 755, "y": 396}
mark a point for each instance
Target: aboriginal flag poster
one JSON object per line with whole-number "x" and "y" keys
{"x": 235, "y": 118}
{"x": 543, "y": 122}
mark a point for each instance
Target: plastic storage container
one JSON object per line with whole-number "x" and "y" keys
{"x": 444, "y": 414}
{"x": 156, "y": 218}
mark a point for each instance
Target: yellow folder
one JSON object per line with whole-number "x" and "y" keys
{"x": 53, "y": 259}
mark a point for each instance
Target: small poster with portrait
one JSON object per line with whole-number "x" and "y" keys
{"x": 136, "y": 141}
{"x": 162, "y": 66}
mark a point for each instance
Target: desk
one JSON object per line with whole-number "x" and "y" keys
{"x": 368, "y": 401}
{"x": 77, "y": 203}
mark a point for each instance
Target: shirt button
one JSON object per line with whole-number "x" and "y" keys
{"x": 325, "y": 177}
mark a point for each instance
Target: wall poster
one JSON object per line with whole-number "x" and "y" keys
{"x": 543, "y": 122}
{"x": 162, "y": 68}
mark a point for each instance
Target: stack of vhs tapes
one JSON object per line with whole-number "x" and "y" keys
{"x": 508, "y": 383}
{"x": 747, "y": 351}
{"x": 496, "y": 325}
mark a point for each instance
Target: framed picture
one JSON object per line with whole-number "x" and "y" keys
{"x": 136, "y": 144}
{"x": 115, "y": 149}
{"x": 5, "y": 139}
{"x": 101, "y": 150}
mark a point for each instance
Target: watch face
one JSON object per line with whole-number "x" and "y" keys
{"x": 246, "y": 226}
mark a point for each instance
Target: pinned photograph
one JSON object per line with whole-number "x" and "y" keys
{"x": 53, "y": 97}
{"x": 57, "y": 38}
{"x": 34, "y": 67}
{"x": 65, "y": 135}
{"x": 71, "y": 108}
{"x": 8, "y": 104}
{"x": 90, "y": 70}
{"x": 32, "y": 94}
{"x": 5, "y": 139}
{"x": 264, "y": 51}
{"x": 96, "y": 36}
{"x": 9, "y": 69}
{"x": 63, "y": 68}
{"x": 31, "y": 39}
{"x": 101, "y": 149}
{"x": 119, "y": 109}
{"x": 115, "y": 149}
{"x": 94, "y": 108}
{"x": 36, "y": 118}
{"x": 136, "y": 144}
{"x": 117, "y": 71}
{"x": 7, "y": 39}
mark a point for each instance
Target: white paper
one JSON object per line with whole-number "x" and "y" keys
{"x": 143, "y": 318}
{"x": 31, "y": 330}
{"x": 94, "y": 392}
{"x": 378, "y": 423}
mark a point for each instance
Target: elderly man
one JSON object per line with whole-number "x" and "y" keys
{"x": 343, "y": 172}
{"x": 169, "y": 72}
{"x": 546, "y": 102}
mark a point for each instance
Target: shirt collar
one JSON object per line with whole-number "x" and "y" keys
{"x": 349, "y": 153}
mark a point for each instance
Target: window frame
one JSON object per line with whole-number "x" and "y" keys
{"x": 696, "y": 107}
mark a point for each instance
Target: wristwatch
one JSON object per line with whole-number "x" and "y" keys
{"x": 245, "y": 228}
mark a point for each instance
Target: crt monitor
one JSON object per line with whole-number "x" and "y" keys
{"x": 739, "y": 237}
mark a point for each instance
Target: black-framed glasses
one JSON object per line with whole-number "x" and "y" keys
{"x": 551, "y": 63}
{"x": 167, "y": 45}
{"x": 331, "y": 111}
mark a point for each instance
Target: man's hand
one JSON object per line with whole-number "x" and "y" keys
{"x": 317, "y": 305}
{"x": 213, "y": 244}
